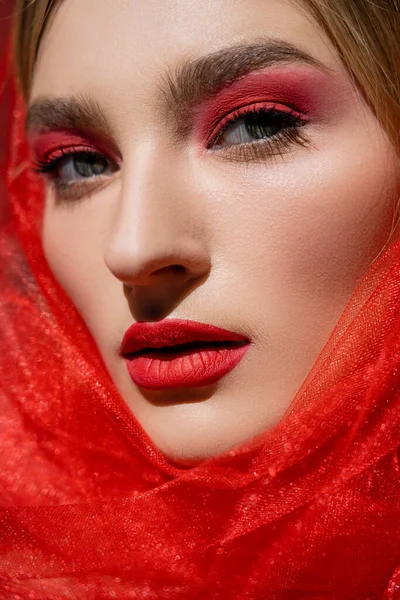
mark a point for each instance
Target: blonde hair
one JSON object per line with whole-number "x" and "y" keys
{"x": 365, "y": 33}
{"x": 31, "y": 17}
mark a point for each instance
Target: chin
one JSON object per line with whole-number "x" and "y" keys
{"x": 189, "y": 432}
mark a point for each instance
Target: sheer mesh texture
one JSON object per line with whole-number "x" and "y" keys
{"x": 90, "y": 509}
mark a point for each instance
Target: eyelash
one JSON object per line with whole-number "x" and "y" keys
{"x": 291, "y": 134}
{"x": 76, "y": 189}
{"x": 260, "y": 150}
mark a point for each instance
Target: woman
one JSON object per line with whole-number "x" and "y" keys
{"x": 221, "y": 187}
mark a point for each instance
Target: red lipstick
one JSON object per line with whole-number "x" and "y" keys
{"x": 175, "y": 353}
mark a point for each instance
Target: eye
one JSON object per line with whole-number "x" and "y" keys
{"x": 259, "y": 132}
{"x": 256, "y": 125}
{"x": 75, "y": 173}
{"x": 253, "y": 126}
{"x": 82, "y": 165}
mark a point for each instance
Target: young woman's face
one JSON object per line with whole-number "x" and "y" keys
{"x": 211, "y": 162}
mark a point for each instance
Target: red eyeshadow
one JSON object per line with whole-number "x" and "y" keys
{"x": 49, "y": 144}
{"x": 305, "y": 90}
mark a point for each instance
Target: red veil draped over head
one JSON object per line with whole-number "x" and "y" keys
{"x": 90, "y": 509}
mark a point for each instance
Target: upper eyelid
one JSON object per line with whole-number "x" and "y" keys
{"x": 48, "y": 159}
{"x": 242, "y": 111}
{"x": 48, "y": 167}
{"x": 236, "y": 115}
{"x": 69, "y": 151}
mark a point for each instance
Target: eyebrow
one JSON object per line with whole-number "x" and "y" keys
{"x": 74, "y": 112}
{"x": 194, "y": 81}
{"x": 190, "y": 83}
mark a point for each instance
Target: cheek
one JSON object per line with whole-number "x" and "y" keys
{"x": 310, "y": 225}
{"x": 73, "y": 242}
{"x": 345, "y": 217}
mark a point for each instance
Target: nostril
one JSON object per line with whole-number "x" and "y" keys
{"x": 172, "y": 270}
{"x": 179, "y": 269}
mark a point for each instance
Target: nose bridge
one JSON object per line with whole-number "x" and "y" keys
{"x": 158, "y": 222}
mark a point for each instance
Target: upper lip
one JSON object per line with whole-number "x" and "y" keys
{"x": 173, "y": 332}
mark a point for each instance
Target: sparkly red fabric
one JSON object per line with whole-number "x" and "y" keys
{"x": 90, "y": 509}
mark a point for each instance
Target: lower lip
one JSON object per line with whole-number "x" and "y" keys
{"x": 185, "y": 369}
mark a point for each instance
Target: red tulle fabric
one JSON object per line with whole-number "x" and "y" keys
{"x": 90, "y": 509}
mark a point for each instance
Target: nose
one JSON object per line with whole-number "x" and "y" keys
{"x": 158, "y": 246}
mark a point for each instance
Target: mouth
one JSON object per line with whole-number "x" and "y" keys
{"x": 175, "y": 353}
{"x": 171, "y": 352}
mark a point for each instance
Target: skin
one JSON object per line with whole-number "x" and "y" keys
{"x": 272, "y": 249}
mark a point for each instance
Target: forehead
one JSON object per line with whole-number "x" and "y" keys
{"x": 100, "y": 46}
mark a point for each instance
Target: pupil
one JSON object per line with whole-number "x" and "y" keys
{"x": 263, "y": 125}
{"x": 89, "y": 165}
